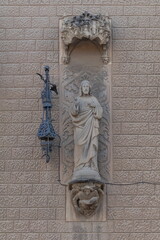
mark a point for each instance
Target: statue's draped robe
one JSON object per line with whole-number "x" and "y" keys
{"x": 86, "y": 130}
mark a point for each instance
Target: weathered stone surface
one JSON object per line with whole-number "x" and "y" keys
{"x": 30, "y": 193}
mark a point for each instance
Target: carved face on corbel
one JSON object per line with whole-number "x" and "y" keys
{"x": 86, "y": 198}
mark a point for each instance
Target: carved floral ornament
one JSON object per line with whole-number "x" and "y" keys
{"x": 86, "y": 26}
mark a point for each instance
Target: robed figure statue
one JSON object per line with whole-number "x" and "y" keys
{"x": 86, "y": 113}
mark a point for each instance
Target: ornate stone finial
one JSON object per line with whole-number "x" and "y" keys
{"x": 93, "y": 27}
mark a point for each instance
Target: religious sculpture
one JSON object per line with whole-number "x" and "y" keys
{"x": 86, "y": 113}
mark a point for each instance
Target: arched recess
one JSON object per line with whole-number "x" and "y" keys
{"x": 85, "y": 52}
{"x": 84, "y": 58}
{"x": 85, "y": 62}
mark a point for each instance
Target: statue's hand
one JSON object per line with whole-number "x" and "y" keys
{"x": 76, "y": 101}
{"x": 76, "y": 104}
{"x": 93, "y": 107}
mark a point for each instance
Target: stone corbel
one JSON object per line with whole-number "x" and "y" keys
{"x": 86, "y": 198}
{"x": 95, "y": 28}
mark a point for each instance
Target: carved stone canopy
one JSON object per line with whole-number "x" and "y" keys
{"x": 86, "y": 26}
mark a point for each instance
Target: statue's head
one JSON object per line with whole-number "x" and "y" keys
{"x": 85, "y": 88}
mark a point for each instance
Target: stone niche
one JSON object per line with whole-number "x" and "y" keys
{"x": 85, "y": 54}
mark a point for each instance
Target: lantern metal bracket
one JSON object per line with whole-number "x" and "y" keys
{"x": 46, "y": 132}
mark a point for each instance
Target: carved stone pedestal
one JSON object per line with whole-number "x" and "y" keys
{"x": 85, "y": 174}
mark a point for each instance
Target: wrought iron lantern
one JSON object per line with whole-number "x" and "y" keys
{"x": 46, "y": 132}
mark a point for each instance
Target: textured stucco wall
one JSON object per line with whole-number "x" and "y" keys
{"x": 32, "y": 202}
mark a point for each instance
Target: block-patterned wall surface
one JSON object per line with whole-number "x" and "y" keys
{"x": 32, "y": 201}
